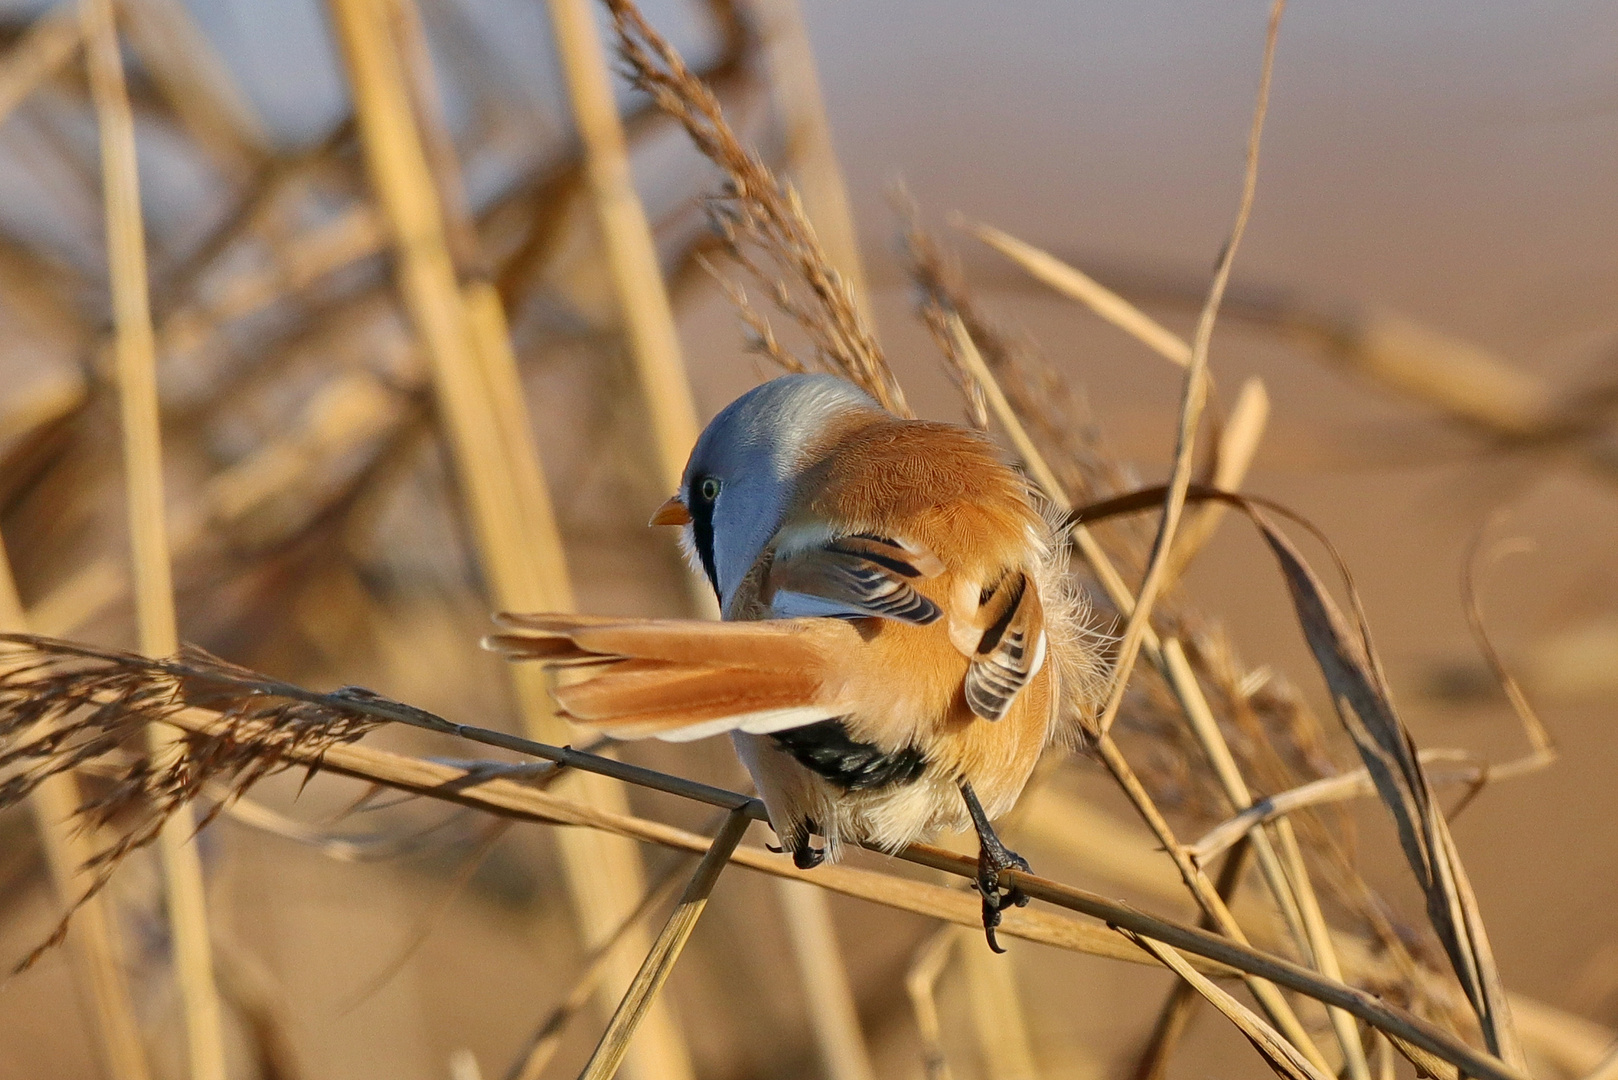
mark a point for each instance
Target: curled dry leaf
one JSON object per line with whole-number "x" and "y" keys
{"x": 1364, "y": 703}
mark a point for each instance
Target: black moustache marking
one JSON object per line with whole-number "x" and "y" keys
{"x": 701, "y": 512}
{"x": 827, "y": 750}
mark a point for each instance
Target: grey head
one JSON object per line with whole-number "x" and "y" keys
{"x": 743, "y": 471}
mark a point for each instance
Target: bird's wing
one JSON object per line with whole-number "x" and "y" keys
{"x": 1004, "y": 637}
{"x": 854, "y": 577}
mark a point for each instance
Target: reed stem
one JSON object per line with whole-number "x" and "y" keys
{"x": 135, "y": 349}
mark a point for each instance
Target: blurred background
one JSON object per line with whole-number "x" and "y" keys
{"x": 1431, "y": 184}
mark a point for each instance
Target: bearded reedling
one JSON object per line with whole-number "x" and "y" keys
{"x": 899, "y": 644}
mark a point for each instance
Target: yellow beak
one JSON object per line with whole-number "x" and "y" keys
{"x": 672, "y": 512}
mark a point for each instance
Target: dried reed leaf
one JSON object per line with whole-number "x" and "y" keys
{"x": 1541, "y": 748}
{"x": 496, "y": 464}
{"x": 654, "y": 971}
{"x": 1363, "y": 700}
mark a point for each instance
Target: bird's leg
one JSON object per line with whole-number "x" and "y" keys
{"x": 804, "y": 856}
{"x": 993, "y": 857}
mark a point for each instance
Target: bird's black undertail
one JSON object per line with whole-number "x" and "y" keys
{"x": 993, "y": 857}
{"x": 827, "y": 750}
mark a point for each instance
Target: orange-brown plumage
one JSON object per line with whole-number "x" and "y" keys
{"x": 898, "y": 624}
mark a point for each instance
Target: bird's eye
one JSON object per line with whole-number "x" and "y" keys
{"x": 708, "y": 489}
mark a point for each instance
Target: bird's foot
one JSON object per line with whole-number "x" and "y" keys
{"x": 993, "y": 857}
{"x": 807, "y": 858}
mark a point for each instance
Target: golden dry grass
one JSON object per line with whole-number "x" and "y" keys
{"x": 350, "y": 353}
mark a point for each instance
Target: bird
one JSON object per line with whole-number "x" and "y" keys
{"x": 899, "y": 639}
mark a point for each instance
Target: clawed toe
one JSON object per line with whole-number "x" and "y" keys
{"x": 807, "y": 858}
{"x": 992, "y": 859}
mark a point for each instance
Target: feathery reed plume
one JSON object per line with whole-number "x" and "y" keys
{"x": 810, "y": 154}
{"x": 96, "y": 949}
{"x": 757, "y": 215}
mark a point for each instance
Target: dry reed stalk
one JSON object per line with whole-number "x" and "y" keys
{"x": 603, "y": 874}
{"x": 626, "y": 237}
{"x": 547, "y": 1038}
{"x": 1174, "y": 1018}
{"x": 810, "y": 153}
{"x": 1466, "y": 382}
{"x": 998, "y": 1018}
{"x": 296, "y": 265}
{"x": 833, "y": 1012}
{"x": 660, "y": 960}
{"x": 812, "y": 157}
{"x": 50, "y": 42}
{"x": 1086, "y": 290}
{"x": 1181, "y": 680}
{"x": 1193, "y": 399}
{"x": 484, "y": 312}
{"x": 143, "y": 460}
{"x": 1280, "y": 1054}
{"x": 94, "y": 945}
{"x": 195, "y": 82}
{"x": 1238, "y": 444}
{"x": 1455, "y": 769}
{"x": 254, "y": 739}
{"x": 921, "y": 985}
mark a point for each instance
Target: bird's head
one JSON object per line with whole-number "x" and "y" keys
{"x": 745, "y": 468}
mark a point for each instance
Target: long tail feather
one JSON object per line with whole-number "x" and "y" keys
{"x": 679, "y": 679}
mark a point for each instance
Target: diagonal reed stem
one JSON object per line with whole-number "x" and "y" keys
{"x": 660, "y": 960}
{"x": 547, "y": 1039}
{"x": 135, "y": 350}
{"x": 643, "y": 302}
{"x": 479, "y": 400}
{"x": 510, "y": 799}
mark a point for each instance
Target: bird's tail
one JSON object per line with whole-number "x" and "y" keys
{"x": 680, "y": 679}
